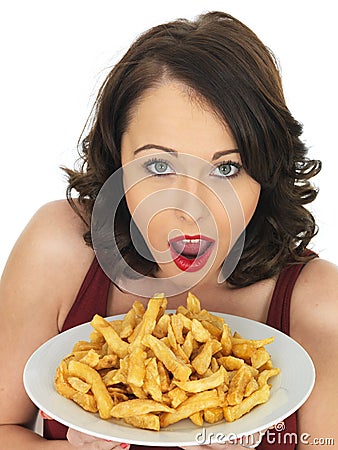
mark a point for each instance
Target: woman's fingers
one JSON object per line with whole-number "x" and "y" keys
{"x": 44, "y": 415}
{"x": 86, "y": 442}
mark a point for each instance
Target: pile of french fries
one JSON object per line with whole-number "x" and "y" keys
{"x": 153, "y": 369}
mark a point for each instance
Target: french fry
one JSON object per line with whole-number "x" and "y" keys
{"x": 137, "y": 391}
{"x": 253, "y": 342}
{"x": 259, "y": 357}
{"x": 91, "y": 358}
{"x": 138, "y": 407}
{"x": 79, "y": 385}
{"x": 138, "y": 308}
{"x": 214, "y": 331}
{"x": 177, "y": 396}
{"x": 184, "y": 311}
{"x": 198, "y": 331}
{"x": 267, "y": 365}
{"x": 81, "y": 346}
{"x": 177, "y": 326}
{"x": 86, "y": 401}
{"x": 251, "y": 387}
{"x": 61, "y": 383}
{"x": 238, "y": 384}
{"x": 188, "y": 344}
{"x": 107, "y": 362}
{"x": 181, "y": 355}
{"x": 243, "y": 351}
{"x": 116, "y": 325}
{"x": 149, "y": 319}
{"x": 197, "y": 418}
{"x": 148, "y": 421}
{"x": 114, "y": 341}
{"x": 180, "y": 370}
{"x": 164, "y": 376}
{"x": 214, "y": 366}
{"x": 213, "y": 415}
{"x": 266, "y": 374}
{"x": 195, "y": 403}
{"x": 161, "y": 328}
{"x": 206, "y": 315}
{"x": 96, "y": 337}
{"x": 193, "y": 304}
{"x": 152, "y": 381}
{"x": 203, "y": 384}
{"x": 128, "y": 324}
{"x": 230, "y": 362}
{"x": 202, "y": 361}
{"x": 172, "y": 338}
{"x": 187, "y": 323}
{"x": 136, "y": 366}
{"x": 232, "y": 413}
{"x": 92, "y": 377}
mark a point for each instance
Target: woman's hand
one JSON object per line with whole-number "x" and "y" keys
{"x": 86, "y": 442}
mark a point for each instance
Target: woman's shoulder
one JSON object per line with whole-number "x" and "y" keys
{"x": 56, "y": 232}
{"x": 313, "y": 320}
{"x": 318, "y": 281}
{"x": 60, "y": 213}
{"x": 56, "y": 227}
{"x": 49, "y": 260}
{"x": 315, "y": 299}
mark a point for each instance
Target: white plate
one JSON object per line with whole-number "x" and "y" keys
{"x": 289, "y": 391}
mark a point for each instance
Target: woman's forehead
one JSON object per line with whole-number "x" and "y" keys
{"x": 167, "y": 116}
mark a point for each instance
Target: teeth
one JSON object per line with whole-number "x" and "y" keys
{"x": 191, "y": 241}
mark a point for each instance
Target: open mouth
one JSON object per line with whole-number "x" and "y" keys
{"x": 191, "y": 253}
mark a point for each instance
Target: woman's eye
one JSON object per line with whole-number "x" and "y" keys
{"x": 159, "y": 168}
{"x": 228, "y": 169}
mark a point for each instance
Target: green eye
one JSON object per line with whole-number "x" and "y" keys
{"x": 227, "y": 169}
{"x": 159, "y": 167}
{"x": 224, "y": 169}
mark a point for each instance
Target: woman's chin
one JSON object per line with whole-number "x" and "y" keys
{"x": 184, "y": 278}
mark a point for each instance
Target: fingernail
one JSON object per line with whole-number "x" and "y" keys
{"x": 123, "y": 445}
{"x": 43, "y": 415}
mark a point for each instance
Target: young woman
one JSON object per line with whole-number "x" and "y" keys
{"x": 194, "y": 177}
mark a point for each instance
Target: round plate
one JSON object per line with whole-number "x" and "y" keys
{"x": 289, "y": 391}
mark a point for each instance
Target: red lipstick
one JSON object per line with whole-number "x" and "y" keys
{"x": 191, "y": 253}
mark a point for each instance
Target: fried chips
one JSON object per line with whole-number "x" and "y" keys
{"x": 152, "y": 369}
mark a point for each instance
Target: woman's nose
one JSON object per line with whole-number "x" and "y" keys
{"x": 190, "y": 206}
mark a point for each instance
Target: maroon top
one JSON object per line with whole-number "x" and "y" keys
{"x": 92, "y": 299}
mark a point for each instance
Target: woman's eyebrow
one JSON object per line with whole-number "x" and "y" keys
{"x": 158, "y": 147}
{"x": 175, "y": 152}
{"x": 224, "y": 153}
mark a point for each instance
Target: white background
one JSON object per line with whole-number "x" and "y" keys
{"x": 55, "y": 54}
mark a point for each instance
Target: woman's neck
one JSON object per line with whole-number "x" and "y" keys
{"x": 251, "y": 301}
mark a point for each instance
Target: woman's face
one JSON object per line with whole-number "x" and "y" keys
{"x": 184, "y": 183}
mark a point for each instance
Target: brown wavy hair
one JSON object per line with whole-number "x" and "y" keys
{"x": 225, "y": 64}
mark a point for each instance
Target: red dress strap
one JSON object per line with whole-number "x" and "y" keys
{"x": 91, "y": 299}
{"x": 279, "y": 318}
{"x": 279, "y": 310}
